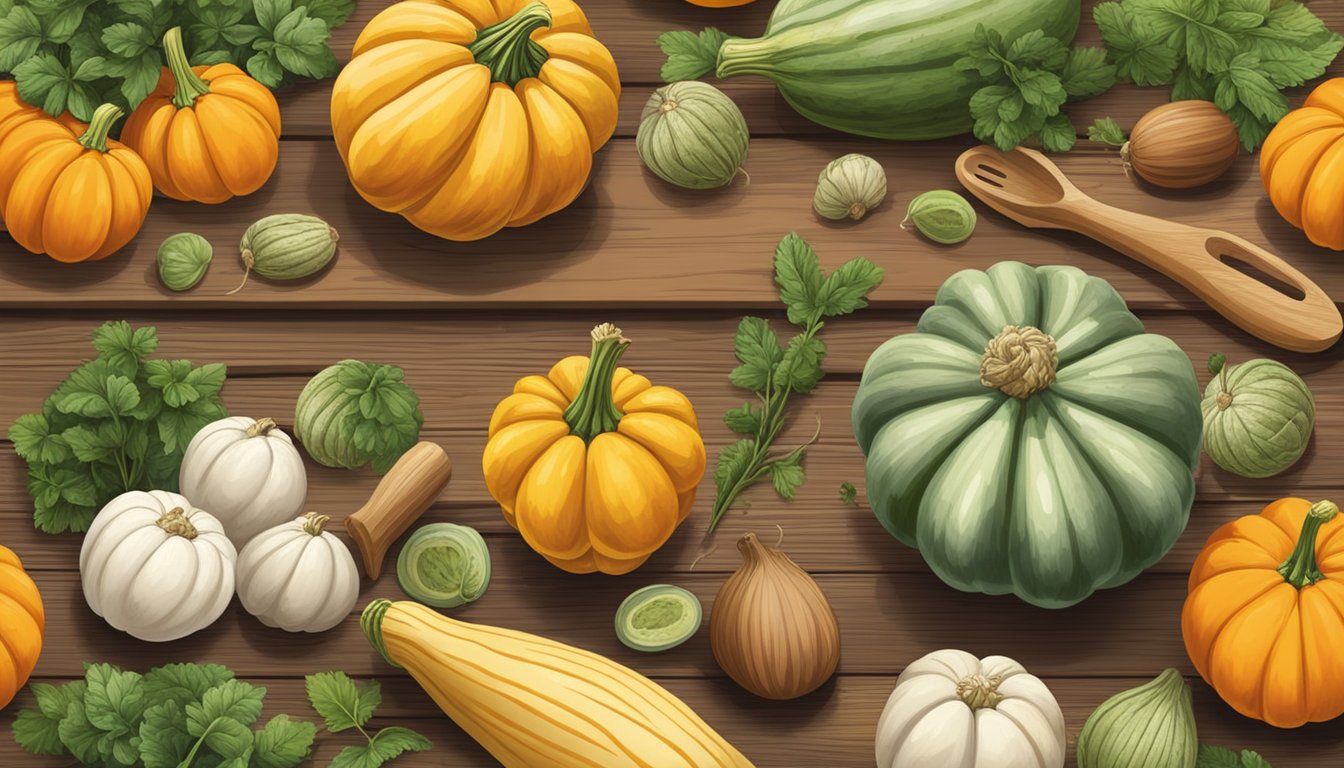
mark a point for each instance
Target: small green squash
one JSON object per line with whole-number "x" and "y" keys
{"x": 444, "y": 565}
{"x": 287, "y": 246}
{"x": 692, "y": 135}
{"x": 1152, "y": 726}
{"x": 1258, "y": 417}
{"x": 183, "y": 259}
{"x": 942, "y": 215}
{"x": 658, "y": 617}
{"x": 1029, "y": 437}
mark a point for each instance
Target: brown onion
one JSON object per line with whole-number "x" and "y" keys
{"x": 1183, "y": 144}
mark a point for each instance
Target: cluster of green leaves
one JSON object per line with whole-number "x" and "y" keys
{"x": 382, "y": 419}
{"x": 690, "y": 56}
{"x": 1221, "y": 757}
{"x": 1106, "y": 131}
{"x": 344, "y": 706}
{"x": 775, "y": 370}
{"x": 849, "y": 495}
{"x": 175, "y": 716}
{"x": 77, "y": 54}
{"x": 1025, "y": 85}
{"x": 118, "y": 423}
{"x": 1239, "y": 54}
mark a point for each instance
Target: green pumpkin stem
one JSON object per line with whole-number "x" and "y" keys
{"x": 190, "y": 86}
{"x": 1300, "y": 569}
{"x": 1224, "y": 399}
{"x": 95, "y": 136}
{"x": 594, "y": 411}
{"x": 507, "y": 48}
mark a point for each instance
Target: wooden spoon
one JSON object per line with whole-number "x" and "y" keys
{"x": 1026, "y": 187}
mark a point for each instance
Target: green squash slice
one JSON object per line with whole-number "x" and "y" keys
{"x": 444, "y": 565}
{"x": 657, "y": 618}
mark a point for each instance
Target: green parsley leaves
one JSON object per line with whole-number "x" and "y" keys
{"x": 118, "y": 423}
{"x": 77, "y": 54}
{"x": 849, "y": 495}
{"x": 1239, "y": 54}
{"x": 344, "y": 706}
{"x": 690, "y": 56}
{"x": 775, "y": 370}
{"x": 1026, "y": 82}
{"x": 1221, "y": 757}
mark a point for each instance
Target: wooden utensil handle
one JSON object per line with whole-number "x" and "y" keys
{"x": 402, "y": 496}
{"x": 1203, "y": 261}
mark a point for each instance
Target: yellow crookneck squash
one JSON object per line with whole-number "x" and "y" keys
{"x": 207, "y": 133}
{"x": 534, "y": 703}
{"x": 468, "y": 116}
{"x": 592, "y": 464}
{"x": 22, "y": 622}
{"x": 73, "y": 195}
{"x": 1264, "y": 619}
{"x": 1302, "y": 166}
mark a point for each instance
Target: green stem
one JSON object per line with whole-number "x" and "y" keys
{"x": 189, "y": 85}
{"x": 594, "y": 411}
{"x": 95, "y": 136}
{"x": 371, "y": 622}
{"x": 1300, "y": 568}
{"x": 507, "y": 48}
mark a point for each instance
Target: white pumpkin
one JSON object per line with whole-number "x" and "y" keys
{"x": 155, "y": 567}
{"x": 298, "y": 577}
{"x": 953, "y": 710}
{"x": 245, "y": 472}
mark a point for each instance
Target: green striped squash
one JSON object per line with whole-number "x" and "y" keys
{"x": 1029, "y": 437}
{"x": 884, "y": 68}
{"x": 288, "y": 246}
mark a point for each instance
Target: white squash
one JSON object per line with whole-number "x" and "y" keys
{"x": 155, "y": 567}
{"x": 245, "y": 472}
{"x": 298, "y": 577}
{"x": 953, "y": 710}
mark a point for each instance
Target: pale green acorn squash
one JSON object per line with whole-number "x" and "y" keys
{"x": 1029, "y": 437}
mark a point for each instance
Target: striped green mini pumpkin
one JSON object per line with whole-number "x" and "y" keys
{"x": 1258, "y": 418}
{"x": 287, "y": 246}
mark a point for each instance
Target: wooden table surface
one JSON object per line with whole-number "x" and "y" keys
{"x": 675, "y": 270}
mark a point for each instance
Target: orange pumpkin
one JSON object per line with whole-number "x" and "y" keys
{"x": 73, "y": 195}
{"x": 1264, "y": 619}
{"x": 22, "y": 621}
{"x": 206, "y": 133}
{"x": 1302, "y": 166}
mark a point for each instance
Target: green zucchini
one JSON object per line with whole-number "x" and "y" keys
{"x": 884, "y": 68}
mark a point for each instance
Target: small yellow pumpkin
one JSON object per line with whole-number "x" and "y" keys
{"x": 1302, "y": 166}
{"x": 467, "y": 116}
{"x": 22, "y": 621}
{"x": 593, "y": 464}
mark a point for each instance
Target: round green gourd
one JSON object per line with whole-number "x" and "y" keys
{"x": 330, "y": 420}
{"x": 1258, "y": 418}
{"x": 692, "y": 135}
{"x": 1029, "y": 437}
{"x": 1152, "y": 726}
{"x": 657, "y": 618}
{"x": 444, "y": 565}
{"x": 942, "y": 215}
{"x": 849, "y": 187}
{"x": 287, "y": 246}
{"x": 183, "y": 259}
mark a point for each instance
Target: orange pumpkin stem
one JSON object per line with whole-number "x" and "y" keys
{"x": 1300, "y": 568}
{"x": 95, "y": 136}
{"x": 594, "y": 410}
{"x": 507, "y": 48}
{"x": 189, "y": 85}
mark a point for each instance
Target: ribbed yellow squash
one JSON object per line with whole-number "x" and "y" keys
{"x": 467, "y": 116}
{"x": 591, "y": 463}
{"x": 535, "y": 703}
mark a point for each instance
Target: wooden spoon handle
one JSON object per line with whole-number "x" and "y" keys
{"x": 1203, "y": 260}
{"x": 402, "y": 496}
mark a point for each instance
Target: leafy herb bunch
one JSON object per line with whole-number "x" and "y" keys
{"x": 776, "y": 371}
{"x": 118, "y": 423}
{"x": 1239, "y": 54}
{"x": 76, "y": 54}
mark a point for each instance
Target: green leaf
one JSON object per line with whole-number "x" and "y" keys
{"x": 164, "y": 741}
{"x": 114, "y": 700}
{"x": 45, "y": 82}
{"x": 1058, "y": 135}
{"x": 1041, "y": 89}
{"x": 744, "y": 420}
{"x": 1252, "y": 129}
{"x": 80, "y": 736}
{"x": 1107, "y": 131}
{"x": 690, "y": 56}
{"x": 38, "y": 730}
{"x": 1087, "y": 73}
{"x": 1216, "y": 363}
{"x": 735, "y": 461}
{"x": 231, "y": 699}
{"x": 786, "y": 475}
{"x": 208, "y": 379}
{"x": 1140, "y": 53}
{"x": 849, "y": 494}
{"x": 846, "y": 289}
{"x": 800, "y": 368}
{"x": 1216, "y": 757}
{"x": 128, "y": 39}
{"x": 122, "y": 396}
{"x": 270, "y": 12}
{"x": 139, "y": 74}
{"x": 265, "y": 68}
{"x": 283, "y": 743}
{"x": 20, "y": 37}
{"x": 758, "y": 350}
{"x": 386, "y": 745}
{"x": 89, "y": 445}
{"x": 1190, "y": 84}
{"x": 301, "y": 45}
{"x": 34, "y": 442}
{"x": 53, "y": 512}
{"x": 1035, "y": 49}
{"x": 333, "y": 12}
{"x": 340, "y": 703}
{"x": 183, "y": 683}
{"x": 1251, "y": 759}
{"x": 798, "y": 275}
{"x": 122, "y": 347}
{"x": 990, "y": 126}
{"x": 1243, "y": 83}
{"x": 224, "y": 736}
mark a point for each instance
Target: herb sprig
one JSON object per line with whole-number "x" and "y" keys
{"x": 1221, "y": 757}
{"x": 344, "y": 706}
{"x": 77, "y": 54}
{"x": 776, "y": 371}
{"x": 118, "y": 423}
{"x": 1239, "y": 54}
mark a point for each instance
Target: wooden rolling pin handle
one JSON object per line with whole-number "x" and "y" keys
{"x": 402, "y": 496}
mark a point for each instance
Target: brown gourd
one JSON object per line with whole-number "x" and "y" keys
{"x": 1182, "y": 145}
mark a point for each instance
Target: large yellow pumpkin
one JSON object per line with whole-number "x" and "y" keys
{"x": 1302, "y": 166}
{"x": 1264, "y": 620}
{"x": 22, "y": 621}
{"x": 467, "y": 116}
{"x": 591, "y": 463}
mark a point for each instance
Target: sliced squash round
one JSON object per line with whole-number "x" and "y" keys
{"x": 444, "y": 565}
{"x": 657, "y": 618}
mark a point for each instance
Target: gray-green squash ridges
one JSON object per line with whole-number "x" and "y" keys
{"x": 288, "y": 246}
{"x": 884, "y": 68}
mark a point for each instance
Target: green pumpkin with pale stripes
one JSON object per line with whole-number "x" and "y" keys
{"x": 1258, "y": 417}
{"x": 1029, "y": 438}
